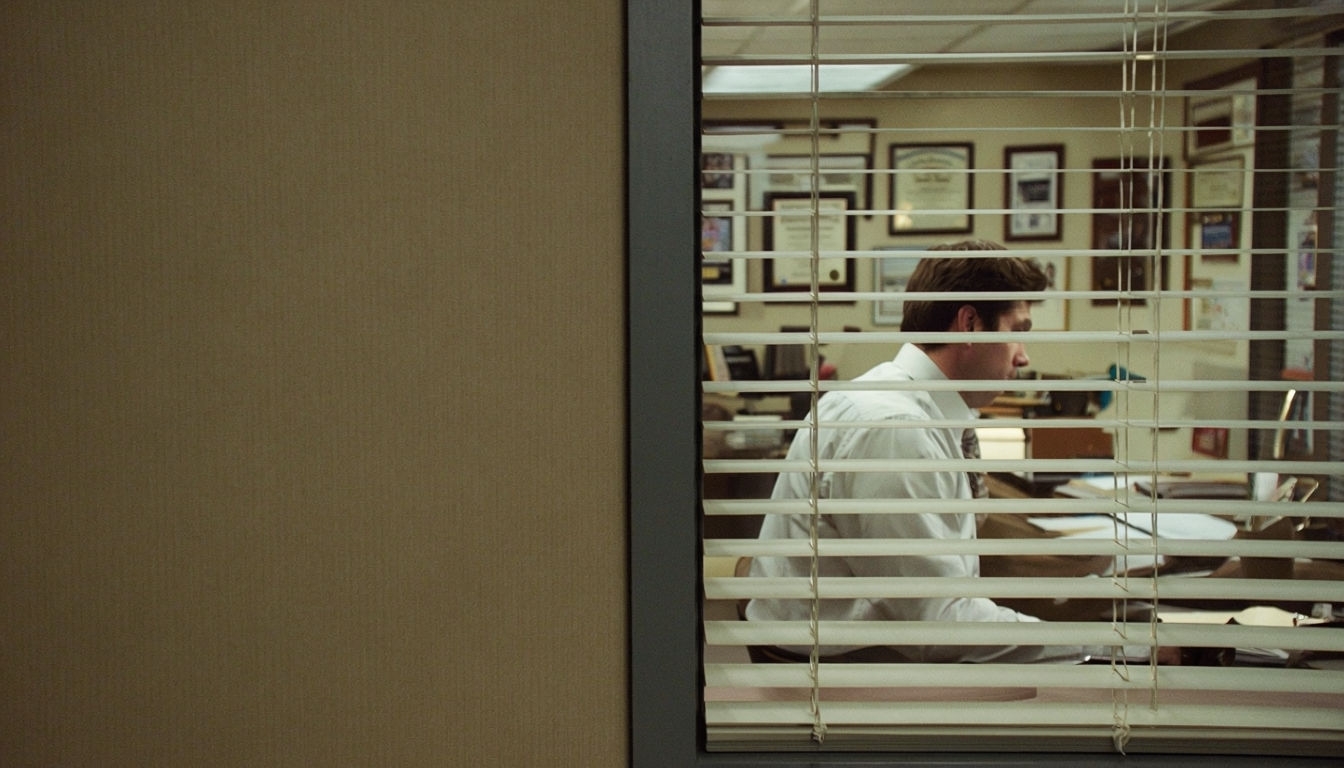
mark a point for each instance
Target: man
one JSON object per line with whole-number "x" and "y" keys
{"x": 891, "y": 424}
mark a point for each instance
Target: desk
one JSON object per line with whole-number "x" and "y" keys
{"x": 737, "y": 485}
{"x": 1019, "y": 526}
{"x": 1042, "y": 442}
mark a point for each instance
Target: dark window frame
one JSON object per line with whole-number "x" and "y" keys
{"x": 663, "y": 427}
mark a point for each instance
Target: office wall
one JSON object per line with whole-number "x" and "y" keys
{"x": 311, "y": 388}
{"x": 1081, "y": 149}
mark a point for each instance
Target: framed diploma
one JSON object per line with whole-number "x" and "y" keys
{"x": 789, "y": 231}
{"x": 931, "y": 188}
{"x": 1217, "y": 183}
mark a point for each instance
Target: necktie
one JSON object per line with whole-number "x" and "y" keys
{"x": 970, "y": 448}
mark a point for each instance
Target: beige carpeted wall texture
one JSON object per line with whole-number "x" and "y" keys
{"x": 311, "y": 390}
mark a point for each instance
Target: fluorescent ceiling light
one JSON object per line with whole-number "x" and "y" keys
{"x": 797, "y": 78}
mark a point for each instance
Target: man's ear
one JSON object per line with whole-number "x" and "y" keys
{"x": 966, "y": 317}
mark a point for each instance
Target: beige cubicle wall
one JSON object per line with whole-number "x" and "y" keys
{"x": 287, "y": 294}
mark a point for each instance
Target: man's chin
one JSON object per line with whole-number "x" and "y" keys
{"x": 979, "y": 399}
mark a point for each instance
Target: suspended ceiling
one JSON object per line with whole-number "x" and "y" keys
{"x": 980, "y": 32}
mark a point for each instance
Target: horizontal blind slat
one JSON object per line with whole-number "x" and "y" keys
{"x": 1029, "y": 17}
{"x": 1003, "y": 57}
{"x": 1253, "y": 720}
{"x": 1097, "y": 634}
{"x": 1098, "y": 676}
{"x": 1108, "y": 588}
{"x": 866, "y": 633}
{"x": 1061, "y": 545}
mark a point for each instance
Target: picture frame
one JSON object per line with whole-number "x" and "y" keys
{"x": 788, "y": 228}
{"x": 1209, "y": 441}
{"x": 721, "y": 231}
{"x": 849, "y": 174}
{"x": 1203, "y": 310}
{"x": 890, "y": 275}
{"x": 1219, "y": 244}
{"x": 931, "y": 189}
{"x": 1303, "y": 236}
{"x": 1052, "y": 313}
{"x": 1126, "y": 216}
{"x": 1125, "y": 273}
{"x": 720, "y": 171}
{"x": 1219, "y": 231}
{"x": 1212, "y": 309}
{"x": 844, "y": 143}
{"x": 1033, "y": 188}
{"x": 1218, "y": 183}
{"x": 1223, "y": 118}
{"x": 1220, "y": 121}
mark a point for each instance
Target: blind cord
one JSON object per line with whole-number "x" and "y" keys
{"x": 1156, "y": 160}
{"x": 814, "y": 366}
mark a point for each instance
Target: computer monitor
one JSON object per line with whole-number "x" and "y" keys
{"x": 787, "y": 361}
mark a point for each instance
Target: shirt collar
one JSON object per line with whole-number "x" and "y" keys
{"x": 915, "y": 361}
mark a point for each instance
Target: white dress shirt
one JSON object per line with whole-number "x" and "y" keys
{"x": 864, "y": 442}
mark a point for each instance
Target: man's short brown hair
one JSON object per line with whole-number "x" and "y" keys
{"x": 961, "y": 277}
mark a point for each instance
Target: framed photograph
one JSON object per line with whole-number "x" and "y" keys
{"x": 1224, "y": 117}
{"x": 1209, "y": 441}
{"x": 1052, "y": 313}
{"x": 931, "y": 188}
{"x": 1303, "y": 234}
{"x": 716, "y": 229}
{"x": 718, "y": 170}
{"x": 1124, "y": 273}
{"x": 1222, "y": 120}
{"x": 1219, "y": 231}
{"x": 890, "y": 275}
{"x": 1218, "y": 183}
{"x": 1126, "y": 217}
{"x": 721, "y": 276}
{"x": 789, "y": 228}
{"x": 846, "y": 146}
{"x": 1033, "y": 187}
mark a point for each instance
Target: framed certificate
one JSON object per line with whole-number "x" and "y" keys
{"x": 1217, "y": 183}
{"x": 931, "y": 188}
{"x": 789, "y": 231}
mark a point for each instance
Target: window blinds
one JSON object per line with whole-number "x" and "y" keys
{"x": 1167, "y": 470}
